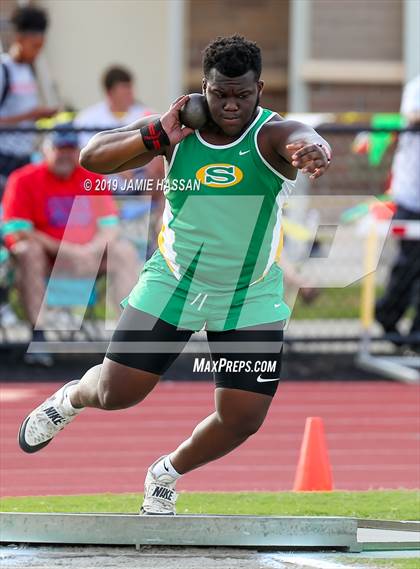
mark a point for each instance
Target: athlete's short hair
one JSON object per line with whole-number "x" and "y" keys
{"x": 29, "y": 19}
{"x": 232, "y": 56}
{"x": 114, "y": 75}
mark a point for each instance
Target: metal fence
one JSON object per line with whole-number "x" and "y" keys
{"x": 325, "y": 237}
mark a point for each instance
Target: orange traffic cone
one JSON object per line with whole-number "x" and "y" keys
{"x": 314, "y": 470}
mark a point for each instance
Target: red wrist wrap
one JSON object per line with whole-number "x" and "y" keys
{"x": 154, "y": 135}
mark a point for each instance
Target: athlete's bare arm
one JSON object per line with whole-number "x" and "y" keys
{"x": 117, "y": 150}
{"x": 123, "y": 148}
{"x": 300, "y": 145}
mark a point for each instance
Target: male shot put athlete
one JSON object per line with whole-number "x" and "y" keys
{"x": 216, "y": 267}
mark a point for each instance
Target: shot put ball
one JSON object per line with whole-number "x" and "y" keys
{"x": 194, "y": 113}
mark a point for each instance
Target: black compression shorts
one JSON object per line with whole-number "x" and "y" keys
{"x": 246, "y": 358}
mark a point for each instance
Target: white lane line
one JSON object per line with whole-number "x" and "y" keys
{"x": 277, "y": 561}
{"x": 10, "y": 394}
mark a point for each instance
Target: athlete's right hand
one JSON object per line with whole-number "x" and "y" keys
{"x": 172, "y": 124}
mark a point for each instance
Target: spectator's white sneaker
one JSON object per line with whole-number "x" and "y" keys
{"x": 159, "y": 494}
{"x": 41, "y": 426}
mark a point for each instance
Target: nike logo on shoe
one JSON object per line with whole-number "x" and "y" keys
{"x": 242, "y": 152}
{"x": 163, "y": 493}
{"x": 264, "y": 379}
{"x": 53, "y": 415}
{"x": 165, "y": 467}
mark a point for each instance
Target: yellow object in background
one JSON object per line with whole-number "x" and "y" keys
{"x": 296, "y": 230}
{"x": 51, "y": 122}
{"x": 367, "y": 307}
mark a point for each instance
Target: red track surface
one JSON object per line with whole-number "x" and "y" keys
{"x": 372, "y": 434}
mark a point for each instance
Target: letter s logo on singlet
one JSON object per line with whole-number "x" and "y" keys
{"x": 219, "y": 175}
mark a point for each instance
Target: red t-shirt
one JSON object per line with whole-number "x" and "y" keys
{"x": 61, "y": 208}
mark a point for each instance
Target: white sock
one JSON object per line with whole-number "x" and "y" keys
{"x": 67, "y": 404}
{"x": 164, "y": 466}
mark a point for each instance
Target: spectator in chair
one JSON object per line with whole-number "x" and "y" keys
{"x": 19, "y": 97}
{"x": 45, "y": 226}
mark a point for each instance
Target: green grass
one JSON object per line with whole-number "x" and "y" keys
{"x": 396, "y": 563}
{"x": 332, "y": 303}
{"x": 393, "y": 504}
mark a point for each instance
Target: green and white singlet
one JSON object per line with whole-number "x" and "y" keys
{"x": 221, "y": 239}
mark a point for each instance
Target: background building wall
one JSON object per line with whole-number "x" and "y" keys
{"x": 86, "y": 36}
{"x": 263, "y": 21}
{"x": 355, "y": 55}
{"x": 352, "y": 29}
{"x": 6, "y": 9}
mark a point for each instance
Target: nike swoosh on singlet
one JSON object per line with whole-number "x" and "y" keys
{"x": 264, "y": 379}
{"x": 242, "y": 152}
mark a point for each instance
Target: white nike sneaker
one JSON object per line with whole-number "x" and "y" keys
{"x": 41, "y": 426}
{"x": 159, "y": 494}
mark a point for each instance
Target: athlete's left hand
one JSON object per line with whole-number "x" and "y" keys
{"x": 311, "y": 158}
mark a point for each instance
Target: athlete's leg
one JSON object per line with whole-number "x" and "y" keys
{"x": 129, "y": 372}
{"x": 241, "y": 400}
{"x": 111, "y": 386}
{"x": 239, "y": 414}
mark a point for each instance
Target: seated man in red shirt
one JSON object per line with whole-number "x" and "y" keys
{"x": 50, "y": 219}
